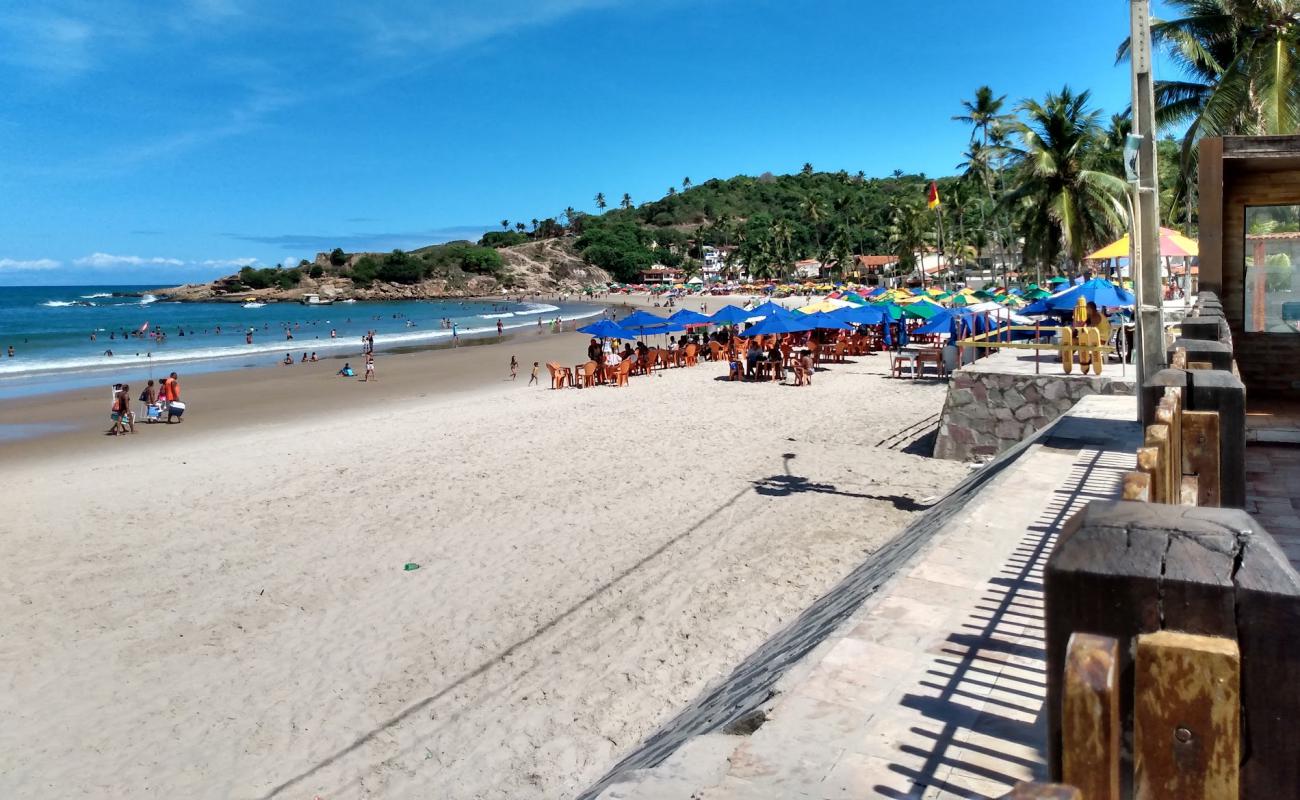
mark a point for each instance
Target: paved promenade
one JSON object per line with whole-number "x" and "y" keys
{"x": 931, "y": 683}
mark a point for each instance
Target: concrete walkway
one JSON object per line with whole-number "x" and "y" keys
{"x": 932, "y": 686}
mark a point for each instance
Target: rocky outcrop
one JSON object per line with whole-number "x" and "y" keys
{"x": 550, "y": 266}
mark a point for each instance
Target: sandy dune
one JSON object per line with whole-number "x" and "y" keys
{"x": 226, "y": 614}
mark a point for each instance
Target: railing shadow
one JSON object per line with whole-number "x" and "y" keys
{"x": 990, "y": 678}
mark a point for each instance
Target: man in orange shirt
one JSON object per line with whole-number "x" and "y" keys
{"x": 172, "y": 391}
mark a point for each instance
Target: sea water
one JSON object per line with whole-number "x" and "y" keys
{"x": 51, "y": 328}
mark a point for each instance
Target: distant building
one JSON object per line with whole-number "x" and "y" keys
{"x": 808, "y": 268}
{"x": 661, "y": 275}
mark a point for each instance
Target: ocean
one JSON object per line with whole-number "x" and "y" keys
{"x": 61, "y": 335}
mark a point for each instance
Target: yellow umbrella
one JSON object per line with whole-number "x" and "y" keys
{"x": 1172, "y": 245}
{"x": 825, "y": 305}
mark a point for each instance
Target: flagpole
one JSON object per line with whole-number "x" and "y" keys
{"x": 939, "y": 222}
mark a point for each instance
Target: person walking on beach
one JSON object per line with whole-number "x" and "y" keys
{"x": 370, "y": 368}
{"x": 499, "y": 327}
{"x": 533, "y": 378}
{"x": 514, "y": 368}
{"x": 172, "y": 391}
{"x": 121, "y": 411}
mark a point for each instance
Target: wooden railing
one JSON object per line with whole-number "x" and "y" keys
{"x": 1171, "y": 625}
{"x": 1179, "y": 460}
{"x": 1084, "y": 342}
{"x": 1171, "y": 657}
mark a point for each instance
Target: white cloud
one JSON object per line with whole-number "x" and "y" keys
{"x": 33, "y": 264}
{"x": 109, "y": 260}
{"x": 226, "y": 263}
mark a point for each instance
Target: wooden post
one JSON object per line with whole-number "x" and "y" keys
{"x": 1201, "y": 454}
{"x": 1158, "y": 438}
{"x": 1137, "y": 486}
{"x": 1148, "y": 462}
{"x": 1187, "y": 717}
{"x": 1125, "y": 569}
{"x": 1090, "y": 716}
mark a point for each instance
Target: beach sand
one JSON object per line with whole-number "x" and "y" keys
{"x": 220, "y": 608}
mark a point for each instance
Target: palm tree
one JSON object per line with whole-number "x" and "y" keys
{"x": 982, "y": 113}
{"x": 672, "y": 191}
{"x": 521, "y": 227}
{"x": 984, "y": 162}
{"x": 534, "y": 226}
{"x": 1241, "y": 73}
{"x": 505, "y": 224}
{"x": 1069, "y": 202}
{"x": 908, "y": 233}
{"x": 626, "y": 202}
{"x": 807, "y": 169}
{"x": 686, "y": 184}
{"x": 815, "y": 213}
{"x": 600, "y": 202}
{"x": 1241, "y": 59}
{"x": 570, "y": 216}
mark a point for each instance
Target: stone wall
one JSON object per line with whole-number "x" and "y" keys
{"x": 987, "y": 412}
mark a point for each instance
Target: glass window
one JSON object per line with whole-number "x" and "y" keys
{"x": 1272, "y": 256}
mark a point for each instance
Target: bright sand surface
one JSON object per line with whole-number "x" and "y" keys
{"x": 219, "y": 609}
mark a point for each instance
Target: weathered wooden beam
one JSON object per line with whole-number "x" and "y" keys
{"x": 1148, "y": 462}
{"x": 1169, "y": 412}
{"x": 1201, "y": 454}
{"x": 1211, "y": 390}
{"x": 1158, "y": 437}
{"x": 1123, "y": 569}
{"x": 1090, "y": 720}
{"x": 1187, "y": 717}
{"x": 1137, "y": 486}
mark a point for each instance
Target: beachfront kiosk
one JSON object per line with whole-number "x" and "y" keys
{"x": 1250, "y": 255}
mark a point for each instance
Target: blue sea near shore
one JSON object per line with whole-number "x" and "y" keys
{"x": 50, "y": 329}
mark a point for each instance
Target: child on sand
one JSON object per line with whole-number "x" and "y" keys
{"x": 514, "y": 368}
{"x": 533, "y": 378}
{"x": 370, "y": 368}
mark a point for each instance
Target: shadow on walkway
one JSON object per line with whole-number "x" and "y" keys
{"x": 986, "y": 695}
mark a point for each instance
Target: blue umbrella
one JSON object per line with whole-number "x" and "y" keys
{"x": 939, "y": 323}
{"x": 730, "y": 315}
{"x": 826, "y": 321}
{"x": 607, "y": 330}
{"x": 861, "y": 315}
{"x": 893, "y": 311}
{"x": 769, "y": 309}
{"x": 640, "y": 319}
{"x": 663, "y": 327}
{"x": 1098, "y": 290}
{"x": 778, "y": 324}
{"x": 688, "y": 317}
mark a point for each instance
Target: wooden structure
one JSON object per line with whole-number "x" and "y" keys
{"x": 1171, "y": 662}
{"x": 1179, "y": 461}
{"x": 1237, "y": 172}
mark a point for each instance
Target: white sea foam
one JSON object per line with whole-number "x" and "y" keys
{"x": 96, "y": 295}
{"x": 256, "y": 351}
{"x": 147, "y": 299}
{"x": 64, "y": 303}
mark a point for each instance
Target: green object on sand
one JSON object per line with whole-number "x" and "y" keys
{"x": 411, "y": 567}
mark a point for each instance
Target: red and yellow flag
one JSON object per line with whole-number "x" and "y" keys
{"x": 933, "y": 196}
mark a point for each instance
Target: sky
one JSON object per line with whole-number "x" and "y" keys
{"x": 145, "y": 142}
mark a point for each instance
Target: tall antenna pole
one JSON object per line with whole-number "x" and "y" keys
{"x": 1150, "y": 338}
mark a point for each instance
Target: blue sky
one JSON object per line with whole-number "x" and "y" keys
{"x": 153, "y": 143}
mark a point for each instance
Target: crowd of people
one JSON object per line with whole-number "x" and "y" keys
{"x": 161, "y": 402}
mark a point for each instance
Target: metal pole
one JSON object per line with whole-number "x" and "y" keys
{"x": 1150, "y": 332}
